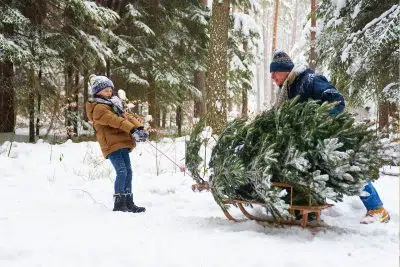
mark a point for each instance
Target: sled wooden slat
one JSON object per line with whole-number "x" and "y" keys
{"x": 229, "y": 216}
{"x": 248, "y": 215}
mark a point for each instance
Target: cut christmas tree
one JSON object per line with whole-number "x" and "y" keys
{"x": 321, "y": 156}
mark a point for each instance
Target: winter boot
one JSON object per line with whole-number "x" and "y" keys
{"x": 120, "y": 203}
{"x": 376, "y": 215}
{"x": 131, "y": 207}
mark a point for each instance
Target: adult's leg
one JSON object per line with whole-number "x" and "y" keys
{"x": 370, "y": 197}
{"x": 373, "y": 203}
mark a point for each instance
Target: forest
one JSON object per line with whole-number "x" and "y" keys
{"x": 181, "y": 60}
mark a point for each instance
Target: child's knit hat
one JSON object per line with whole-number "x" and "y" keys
{"x": 98, "y": 83}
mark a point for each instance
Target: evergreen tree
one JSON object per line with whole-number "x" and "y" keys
{"x": 192, "y": 157}
{"x": 366, "y": 33}
{"x": 244, "y": 34}
{"x": 300, "y": 144}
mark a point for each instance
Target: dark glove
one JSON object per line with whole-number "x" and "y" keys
{"x": 140, "y": 134}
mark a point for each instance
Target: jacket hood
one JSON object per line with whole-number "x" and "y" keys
{"x": 89, "y": 110}
{"x": 297, "y": 71}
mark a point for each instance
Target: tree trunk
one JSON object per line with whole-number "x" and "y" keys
{"x": 31, "y": 103}
{"x": 179, "y": 116}
{"x": 275, "y": 31}
{"x": 56, "y": 108}
{"x": 85, "y": 93}
{"x": 76, "y": 103}
{"x": 154, "y": 109}
{"x": 164, "y": 118}
{"x": 108, "y": 68}
{"x": 294, "y": 25}
{"x": 200, "y": 83}
{"x": 245, "y": 99}
{"x": 258, "y": 71}
{"x": 312, "y": 58}
{"x": 274, "y": 42}
{"x": 267, "y": 84}
{"x": 39, "y": 102}
{"x": 218, "y": 66}
{"x": 7, "y": 96}
{"x": 68, "y": 93}
{"x": 386, "y": 110}
{"x": 31, "y": 108}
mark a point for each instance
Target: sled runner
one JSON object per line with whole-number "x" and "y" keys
{"x": 303, "y": 210}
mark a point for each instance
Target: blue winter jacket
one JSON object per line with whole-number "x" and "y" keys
{"x": 310, "y": 85}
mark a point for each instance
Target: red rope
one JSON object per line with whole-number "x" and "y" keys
{"x": 182, "y": 169}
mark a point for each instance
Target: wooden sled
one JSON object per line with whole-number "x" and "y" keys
{"x": 304, "y": 210}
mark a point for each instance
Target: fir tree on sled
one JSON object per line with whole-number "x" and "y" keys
{"x": 294, "y": 156}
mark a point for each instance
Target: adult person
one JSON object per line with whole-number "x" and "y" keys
{"x": 302, "y": 81}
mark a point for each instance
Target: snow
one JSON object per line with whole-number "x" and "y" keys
{"x": 56, "y": 202}
{"x": 356, "y": 11}
{"x": 246, "y": 24}
{"x": 339, "y": 4}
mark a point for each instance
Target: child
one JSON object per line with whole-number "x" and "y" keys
{"x": 116, "y": 132}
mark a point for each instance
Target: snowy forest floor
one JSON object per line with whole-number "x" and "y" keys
{"x": 56, "y": 203}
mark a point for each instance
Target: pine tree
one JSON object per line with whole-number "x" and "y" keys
{"x": 359, "y": 46}
{"x": 243, "y": 37}
{"x": 13, "y": 50}
{"x": 192, "y": 157}
{"x": 300, "y": 144}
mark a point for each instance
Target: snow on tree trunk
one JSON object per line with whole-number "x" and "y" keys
{"x": 218, "y": 66}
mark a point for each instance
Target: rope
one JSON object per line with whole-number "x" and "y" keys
{"x": 182, "y": 169}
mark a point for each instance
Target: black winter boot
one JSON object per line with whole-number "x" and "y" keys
{"x": 131, "y": 207}
{"x": 120, "y": 203}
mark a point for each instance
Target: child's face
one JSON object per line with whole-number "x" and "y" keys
{"x": 106, "y": 92}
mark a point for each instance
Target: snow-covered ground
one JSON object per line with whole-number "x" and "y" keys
{"x": 55, "y": 210}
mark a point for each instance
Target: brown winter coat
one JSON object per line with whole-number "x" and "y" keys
{"x": 112, "y": 132}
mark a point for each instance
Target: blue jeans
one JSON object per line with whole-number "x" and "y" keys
{"x": 370, "y": 197}
{"x": 122, "y": 165}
